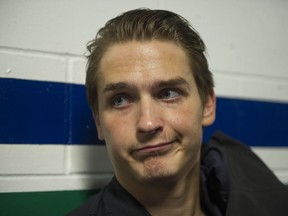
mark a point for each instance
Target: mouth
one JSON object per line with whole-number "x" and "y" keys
{"x": 160, "y": 148}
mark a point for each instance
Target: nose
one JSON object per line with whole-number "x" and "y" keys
{"x": 149, "y": 117}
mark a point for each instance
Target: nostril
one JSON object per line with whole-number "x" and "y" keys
{"x": 151, "y": 130}
{"x": 144, "y": 135}
{"x": 150, "y": 126}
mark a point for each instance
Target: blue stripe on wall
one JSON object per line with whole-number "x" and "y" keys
{"x": 253, "y": 122}
{"x": 38, "y": 112}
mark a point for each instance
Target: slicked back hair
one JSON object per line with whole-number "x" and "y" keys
{"x": 146, "y": 25}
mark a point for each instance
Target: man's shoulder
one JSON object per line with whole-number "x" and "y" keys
{"x": 248, "y": 182}
{"x": 91, "y": 207}
{"x": 96, "y": 204}
{"x": 113, "y": 199}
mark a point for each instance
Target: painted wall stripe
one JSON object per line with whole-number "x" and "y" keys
{"x": 89, "y": 167}
{"x": 50, "y": 203}
{"x": 256, "y": 123}
{"x": 38, "y": 112}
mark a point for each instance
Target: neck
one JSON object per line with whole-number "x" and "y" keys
{"x": 171, "y": 197}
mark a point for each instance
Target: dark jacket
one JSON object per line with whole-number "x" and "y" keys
{"x": 234, "y": 181}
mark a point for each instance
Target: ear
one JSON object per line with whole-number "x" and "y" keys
{"x": 98, "y": 126}
{"x": 209, "y": 110}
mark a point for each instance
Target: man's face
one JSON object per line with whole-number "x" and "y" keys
{"x": 149, "y": 111}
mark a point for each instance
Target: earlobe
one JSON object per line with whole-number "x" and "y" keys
{"x": 209, "y": 111}
{"x": 98, "y": 127}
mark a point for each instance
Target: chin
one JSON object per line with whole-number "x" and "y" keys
{"x": 156, "y": 170}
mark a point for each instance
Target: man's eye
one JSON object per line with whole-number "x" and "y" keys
{"x": 120, "y": 101}
{"x": 169, "y": 94}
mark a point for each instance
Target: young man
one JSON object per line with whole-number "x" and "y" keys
{"x": 151, "y": 94}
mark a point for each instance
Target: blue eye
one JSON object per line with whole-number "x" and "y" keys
{"x": 169, "y": 94}
{"x": 120, "y": 101}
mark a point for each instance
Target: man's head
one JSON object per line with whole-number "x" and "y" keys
{"x": 146, "y": 25}
{"x": 151, "y": 93}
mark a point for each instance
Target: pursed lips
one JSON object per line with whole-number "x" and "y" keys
{"x": 160, "y": 147}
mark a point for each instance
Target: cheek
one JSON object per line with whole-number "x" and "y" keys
{"x": 188, "y": 118}
{"x": 115, "y": 139}
{"x": 187, "y": 122}
{"x": 116, "y": 132}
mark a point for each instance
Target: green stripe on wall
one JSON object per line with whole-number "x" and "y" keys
{"x": 42, "y": 203}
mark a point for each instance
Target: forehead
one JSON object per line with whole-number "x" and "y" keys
{"x": 148, "y": 58}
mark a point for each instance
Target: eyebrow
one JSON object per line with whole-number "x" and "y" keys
{"x": 116, "y": 86}
{"x": 178, "y": 81}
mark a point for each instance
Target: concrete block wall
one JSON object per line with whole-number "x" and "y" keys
{"x": 45, "y": 41}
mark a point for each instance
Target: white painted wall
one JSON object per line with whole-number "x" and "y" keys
{"x": 45, "y": 40}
